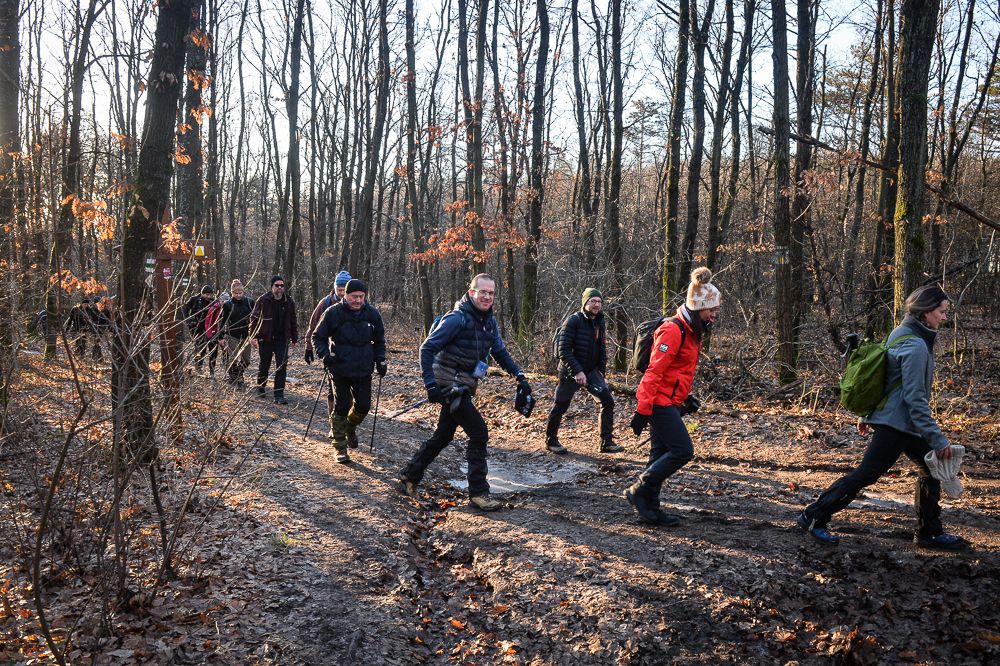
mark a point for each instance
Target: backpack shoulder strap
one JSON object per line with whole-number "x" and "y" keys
{"x": 683, "y": 332}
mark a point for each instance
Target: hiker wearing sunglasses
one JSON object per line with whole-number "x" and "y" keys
{"x": 274, "y": 329}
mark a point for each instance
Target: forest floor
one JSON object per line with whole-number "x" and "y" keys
{"x": 301, "y": 560}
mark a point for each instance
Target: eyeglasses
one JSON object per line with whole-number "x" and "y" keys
{"x": 483, "y": 292}
{"x": 277, "y": 286}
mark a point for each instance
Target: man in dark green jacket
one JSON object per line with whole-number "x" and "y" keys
{"x": 350, "y": 339}
{"x": 583, "y": 360}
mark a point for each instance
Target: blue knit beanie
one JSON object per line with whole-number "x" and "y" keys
{"x": 343, "y": 277}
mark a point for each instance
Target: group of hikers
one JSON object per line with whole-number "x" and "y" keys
{"x": 346, "y": 335}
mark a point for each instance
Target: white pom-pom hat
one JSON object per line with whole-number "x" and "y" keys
{"x": 702, "y": 294}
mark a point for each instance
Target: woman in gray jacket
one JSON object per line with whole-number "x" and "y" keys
{"x": 903, "y": 424}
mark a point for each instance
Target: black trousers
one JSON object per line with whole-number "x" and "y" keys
{"x": 598, "y": 389}
{"x": 670, "y": 449}
{"x": 472, "y": 422}
{"x": 356, "y": 393}
{"x": 886, "y": 446}
{"x": 279, "y": 350}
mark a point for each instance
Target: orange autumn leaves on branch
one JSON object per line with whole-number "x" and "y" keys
{"x": 93, "y": 213}
{"x": 70, "y": 283}
{"x": 455, "y": 243}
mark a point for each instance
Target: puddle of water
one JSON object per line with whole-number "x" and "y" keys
{"x": 508, "y": 477}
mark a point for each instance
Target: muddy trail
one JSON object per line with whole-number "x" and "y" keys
{"x": 359, "y": 573}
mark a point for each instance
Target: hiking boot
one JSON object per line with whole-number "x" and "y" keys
{"x": 664, "y": 519}
{"x": 342, "y": 457}
{"x": 352, "y": 439}
{"x": 485, "y": 502}
{"x": 642, "y": 505}
{"x": 553, "y": 446}
{"x": 821, "y": 534}
{"x": 260, "y": 392}
{"x": 608, "y": 446}
{"x": 943, "y": 541}
{"x": 281, "y": 400}
{"x": 408, "y": 488}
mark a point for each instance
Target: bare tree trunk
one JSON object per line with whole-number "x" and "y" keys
{"x": 674, "y": 160}
{"x": 784, "y": 290}
{"x": 10, "y": 148}
{"x": 412, "y": 200}
{"x": 718, "y": 137}
{"x": 918, "y": 24}
{"x": 851, "y": 250}
{"x": 805, "y": 90}
{"x": 293, "y": 171}
{"x": 190, "y": 178}
{"x": 362, "y": 239}
{"x": 70, "y": 191}
{"x": 529, "y": 299}
{"x": 879, "y": 286}
{"x": 588, "y": 240}
{"x": 699, "y": 34}
{"x": 142, "y": 234}
{"x": 613, "y": 210}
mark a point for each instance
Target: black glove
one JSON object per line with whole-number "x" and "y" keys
{"x": 381, "y": 368}
{"x": 309, "y": 357}
{"x": 690, "y": 405}
{"x": 434, "y": 394}
{"x": 523, "y": 385}
{"x": 328, "y": 362}
{"x": 638, "y": 423}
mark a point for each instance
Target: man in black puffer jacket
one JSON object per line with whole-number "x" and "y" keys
{"x": 350, "y": 339}
{"x": 453, "y": 359}
{"x": 583, "y": 360}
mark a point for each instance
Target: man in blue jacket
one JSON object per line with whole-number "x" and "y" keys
{"x": 350, "y": 339}
{"x": 453, "y": 359}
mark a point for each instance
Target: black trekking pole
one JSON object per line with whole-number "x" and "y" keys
{"x": 378, "y": 398}
{"x": 322, "y": 384}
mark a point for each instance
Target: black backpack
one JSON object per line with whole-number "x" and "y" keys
{"x": 644, "y": 341}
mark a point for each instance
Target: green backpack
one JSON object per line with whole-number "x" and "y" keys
{"x": 862, "y": 388}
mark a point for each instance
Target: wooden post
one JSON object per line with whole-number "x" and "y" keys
{"x": 170, "y": 371}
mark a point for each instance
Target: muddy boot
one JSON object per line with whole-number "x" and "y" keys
{"x": 609, "y": 446}
{"x": 408, "y": 488}
{"x": 639, "y": 498}
{"x": 552, "y": 445}
{"x": 353, "y": 421}
{"x": 485, "y": 502}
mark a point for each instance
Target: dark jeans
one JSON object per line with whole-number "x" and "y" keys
{"x": 597, "y": 388}
{"x": 356, "y": 393}
{"x": 670, "y": 449}
{"x": 279, "y": 350}
{"x": 883, "y": 452}
{"x": 471, "y": 421}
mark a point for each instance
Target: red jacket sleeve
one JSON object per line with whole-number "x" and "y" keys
{"x": 666, "y": 342}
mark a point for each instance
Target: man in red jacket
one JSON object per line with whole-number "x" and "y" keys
{"x": 664, "y": 395}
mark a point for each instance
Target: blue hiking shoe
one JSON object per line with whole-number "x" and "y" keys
{"x": 943, "y": 541}
{"x": 821, "y": 534}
